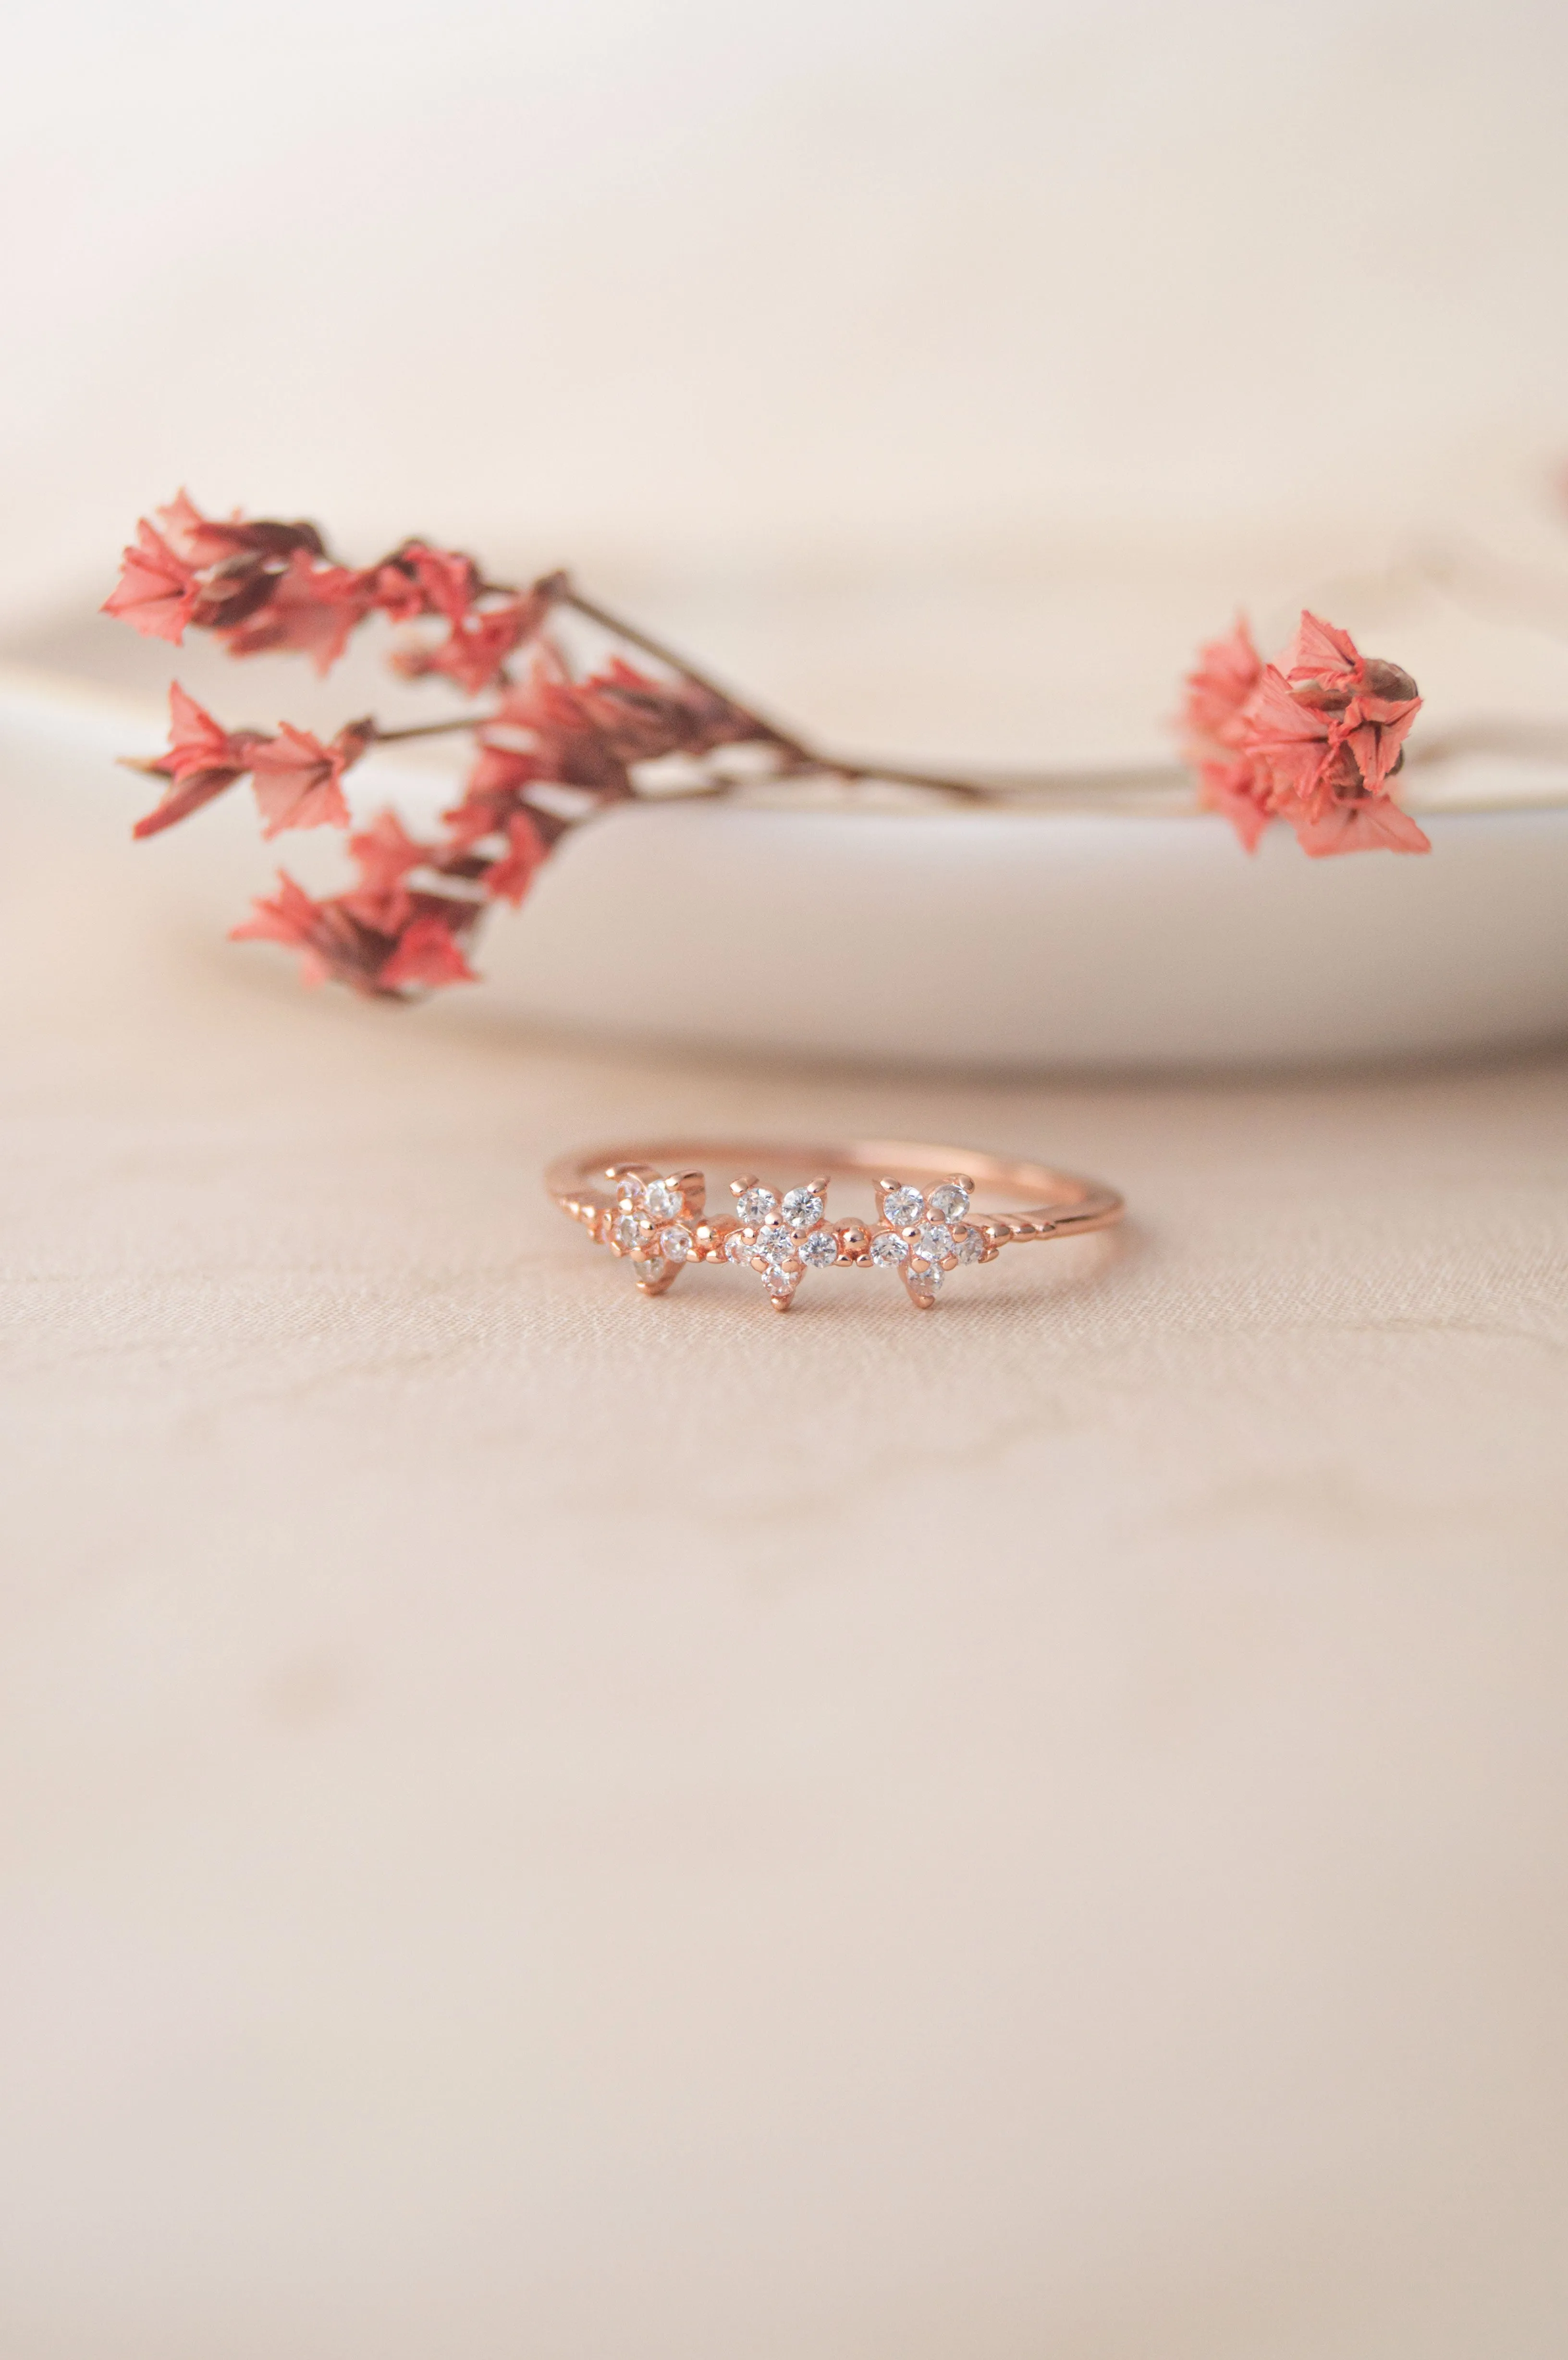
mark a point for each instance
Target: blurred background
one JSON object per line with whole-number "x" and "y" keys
{"x": 534, "y": 1832}
{"x": 876, "y": 343}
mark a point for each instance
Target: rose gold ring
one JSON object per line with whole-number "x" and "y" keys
{"x": 648, "y": 1205}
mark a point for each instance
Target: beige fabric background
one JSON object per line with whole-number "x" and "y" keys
{"x": 538, "y": 1823}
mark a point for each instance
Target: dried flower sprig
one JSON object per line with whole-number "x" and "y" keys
{"x": 1315, "y": 740}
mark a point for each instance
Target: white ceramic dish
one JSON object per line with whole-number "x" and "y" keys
{"x": 1041, "y": 940}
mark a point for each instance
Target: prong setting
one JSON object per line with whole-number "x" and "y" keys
{"x": 780, "y": 1236}
{"x": 925, "y": 1235}
{"x": 653, "y": 1222}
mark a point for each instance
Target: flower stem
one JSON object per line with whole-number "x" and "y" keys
{"x": 805, "y": 758}
{"x": 568, "y": 595}
{"x": 433, "y": 729}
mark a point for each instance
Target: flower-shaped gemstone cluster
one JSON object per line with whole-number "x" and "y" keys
{"x": 657, "y": 1223}
{"x": 924, "y": 1235}
{"x": 783, "y": 1235}
{"x": 654, "y": 1222}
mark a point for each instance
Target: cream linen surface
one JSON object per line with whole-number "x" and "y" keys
{"x": 543, "y": 1823}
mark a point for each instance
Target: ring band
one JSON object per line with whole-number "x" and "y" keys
{"x": 648, "y": 1205}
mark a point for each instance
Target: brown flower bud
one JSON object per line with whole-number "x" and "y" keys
{"x": 1389, "y": 679}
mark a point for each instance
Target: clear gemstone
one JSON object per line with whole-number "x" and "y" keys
{"x": 629, "y": 1194}
{"x": 819, "y": 1248}
{"x": 968, "y": 1244}
{"x": 675, "y": 1243}
{"x": 775, "y": 1243}
{"x": 650, "y": 1272}
{"x": 630, "y": 1233}
{"x": 926, "y": 1282}
{"x": 665, "y": 1202}
{"x": 886, "y": 1246}
{"x": 902, "y": 1207}
{"x": 802, "y": 1208}
{"x": 737, "y": 1246}
{"x": 934, "y": 1242}
{"x": 779, "y": 1281}
{"x": 757, "y": 1204}
{"x": 949, "y": 1203}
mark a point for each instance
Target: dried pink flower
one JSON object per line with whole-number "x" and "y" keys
{"x": 332, "y": 943}
{"x": 493, "y": 801}
{"x": 475, "y": 650}
{"x": 569, "y": 746}
{"x": 420, "y": 579}
{"x": 310, "y": 608}
{"x": 200, "y": 540}
{"x": 1218, "y": 688}
{"x": 384, "y": 854}
{"x": 1326, "y": 728}
{"x": 1314, "y": 739}
{"x": 297, "y": 781}
{"x": 508, "y": 879}
{"x": 202, "y": 758}
{"x": 197, "y": 571}
{"x": 157, "y": 591}
{"x": 427, "y": 953}
{"x": 337, "y": 944}
{"x": 640, "y": 717}
{"x": 206, "y": 541}
{"x": 484, "y": 624}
